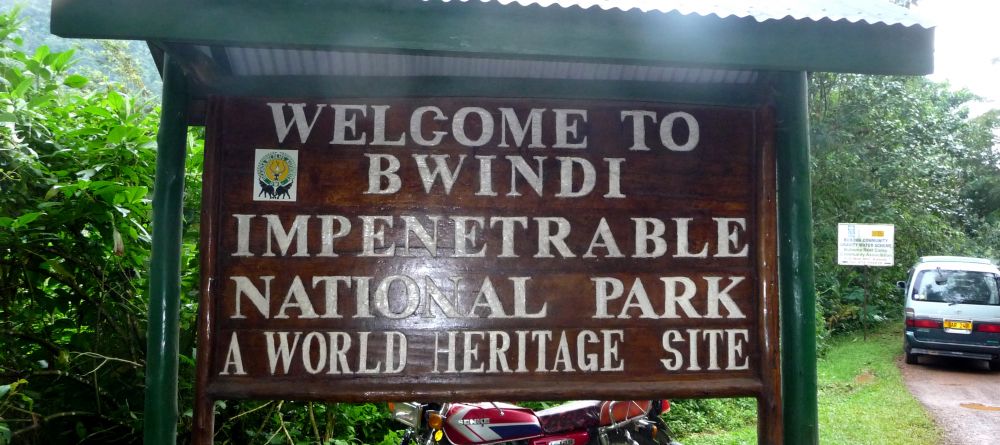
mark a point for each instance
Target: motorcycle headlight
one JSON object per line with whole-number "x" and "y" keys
{"x": 407, "y": 413}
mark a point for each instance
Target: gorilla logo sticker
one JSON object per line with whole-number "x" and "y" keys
{"x": 274, "y": 175}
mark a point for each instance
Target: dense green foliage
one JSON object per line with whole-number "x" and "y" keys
{"x": 92, "y": 57}
{"x": 687, "y": 417}
{"x": 898, "y": 151}
{"x": 76, "y": 166}
{"x": 77, "y": 160}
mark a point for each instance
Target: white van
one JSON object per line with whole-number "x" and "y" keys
{"x": 952, "y": 309}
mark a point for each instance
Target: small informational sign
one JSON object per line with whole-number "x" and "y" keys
{"x": 484, "y": 249}
{"x": 865, "y": 244}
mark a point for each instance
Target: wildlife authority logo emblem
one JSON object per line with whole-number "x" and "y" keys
{"x": 275, "y": 172}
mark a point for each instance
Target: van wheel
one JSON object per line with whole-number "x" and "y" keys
{"x": 995, "y": 364}
{"x": 911, "y": 358}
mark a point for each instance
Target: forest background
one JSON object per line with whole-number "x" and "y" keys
{"x": 77, "y": 153}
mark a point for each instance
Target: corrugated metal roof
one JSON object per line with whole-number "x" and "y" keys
{"x": 262, "y": 61}
{"x": 247, "y": 47}
{"x": 248, "y": 61}
{"x": 853, "y": 11}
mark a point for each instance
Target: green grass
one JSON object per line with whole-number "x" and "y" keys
{"x": 862, "y": 399}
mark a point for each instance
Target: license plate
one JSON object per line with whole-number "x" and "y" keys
{"x": 958, "y": 325}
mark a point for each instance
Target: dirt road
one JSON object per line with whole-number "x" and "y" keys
{"x": 961, "y": 394}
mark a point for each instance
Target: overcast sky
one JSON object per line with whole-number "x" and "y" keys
{"x": 967, "y": 46}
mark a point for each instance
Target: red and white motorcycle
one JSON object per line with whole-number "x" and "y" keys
{"x": 583, "y": 422}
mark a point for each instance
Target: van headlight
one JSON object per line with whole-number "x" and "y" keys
{"x": 408, "y": 413}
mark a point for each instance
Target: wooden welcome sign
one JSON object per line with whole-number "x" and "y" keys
{"x": 487, "y": 249}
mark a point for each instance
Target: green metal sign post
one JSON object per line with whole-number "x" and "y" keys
{"x": 795, "y": 261}
{"x": 165, "y": 273}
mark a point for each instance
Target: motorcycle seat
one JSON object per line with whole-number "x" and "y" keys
{"x": 589, "y": 414}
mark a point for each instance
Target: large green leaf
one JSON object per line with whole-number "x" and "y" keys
{"x": 25, "y": 219}
{"x": 75, "y": 81}
{"x": 21, "y": 88}
{"x": 116, "y": 101}
{"x": 40, "y": 53}
{"x": 62, "y": 60}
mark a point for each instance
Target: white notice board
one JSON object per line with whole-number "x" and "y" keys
{"x": 865, "y": 244}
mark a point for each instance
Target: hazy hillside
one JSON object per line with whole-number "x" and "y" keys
{"x": 94, "y": 58}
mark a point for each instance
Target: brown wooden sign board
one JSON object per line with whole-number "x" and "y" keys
{"x": 472, "y": 249}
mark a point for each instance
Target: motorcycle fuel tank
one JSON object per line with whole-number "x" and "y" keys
{"x": 482, "y": 423}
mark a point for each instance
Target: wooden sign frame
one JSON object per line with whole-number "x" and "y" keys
{"x": 762, "y": 380}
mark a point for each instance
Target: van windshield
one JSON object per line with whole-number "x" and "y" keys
{"x": 957, "y": 287}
